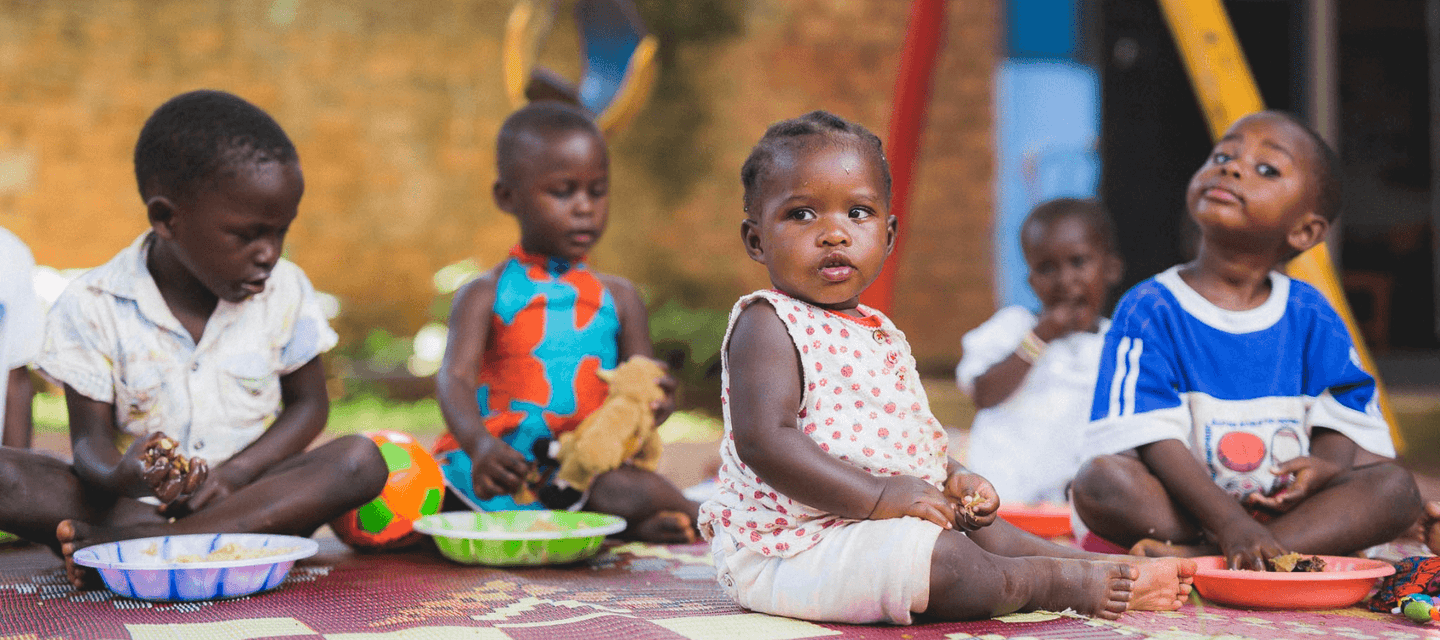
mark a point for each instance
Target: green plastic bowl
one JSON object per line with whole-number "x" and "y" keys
{"x": 508, "y": 538}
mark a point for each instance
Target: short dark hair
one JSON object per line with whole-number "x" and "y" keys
{"x": 543, "y": 119}
{"x": 1088, "y": 211}
{"x": 1330, "y": 199}
{"x": 794, "y": 134}
{"x": 194, "y": 136}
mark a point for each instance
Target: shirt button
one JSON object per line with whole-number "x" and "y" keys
{"x": 195, "y": 366}
{"x": 199, "y": 444}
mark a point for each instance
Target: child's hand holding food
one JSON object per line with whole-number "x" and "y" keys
{"x": 170, "y": 475}
{"x": 1064, "y": 317}
{"x": 497, "y": 468}
{"x": 972, "y": 498}
{"x": 1247, "y": 544}
{"x": 1310, "y": 475}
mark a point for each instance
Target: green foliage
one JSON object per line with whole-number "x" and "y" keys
{"x": 370, "y": 412}
{"x": 382, "y": 351}
{"x": 689, "y": 339}
{"x": 49, "y": 415}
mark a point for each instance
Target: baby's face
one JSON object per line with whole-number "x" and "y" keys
{"x": 1258, "y": 183}
{"x": 823, "y": 227}
{"x": 1068, "y": 263}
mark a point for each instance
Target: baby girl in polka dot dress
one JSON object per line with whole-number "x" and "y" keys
{"x": 838, "y": 500}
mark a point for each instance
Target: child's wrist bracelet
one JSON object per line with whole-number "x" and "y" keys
{"x": 1031, "y": 348}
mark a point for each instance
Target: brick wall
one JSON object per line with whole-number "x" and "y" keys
{"x": 394, "y": 108}
{"x": 807, "y": 54}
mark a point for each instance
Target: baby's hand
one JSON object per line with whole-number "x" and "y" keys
{"x": 911, "y": 496}
{"x": 973, "y": 500}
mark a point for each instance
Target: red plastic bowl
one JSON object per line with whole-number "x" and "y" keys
{"x": 1345, "y": 581}
{"x": 1044, "y": 520}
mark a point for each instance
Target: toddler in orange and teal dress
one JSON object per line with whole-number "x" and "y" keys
{"x": 527, "y": 338}
{"x": 552, "y": 326}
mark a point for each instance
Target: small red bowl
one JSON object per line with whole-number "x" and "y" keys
{"x": 1345, "y": 581}
{"x": 1044, "y": 520}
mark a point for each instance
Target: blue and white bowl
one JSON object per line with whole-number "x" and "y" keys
{"x": 145, "y": 568}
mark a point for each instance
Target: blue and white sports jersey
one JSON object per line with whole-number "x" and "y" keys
{"x": 1242, "y": 389}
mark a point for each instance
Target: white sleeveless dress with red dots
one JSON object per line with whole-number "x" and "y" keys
{"x": 861, "y": 402}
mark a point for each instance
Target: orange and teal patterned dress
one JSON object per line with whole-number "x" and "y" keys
{"x": 553, "y": 326}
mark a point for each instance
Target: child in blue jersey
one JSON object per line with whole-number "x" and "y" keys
{"x": 1231, "y": 414}
{"x": 527, "y": 337}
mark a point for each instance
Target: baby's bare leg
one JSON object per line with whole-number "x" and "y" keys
{"x": 1360, "y": 508}
{"x": 1162, "y": 584}
{"x": 655, "y": 510}
{"x": 969, "y": 583}
{"x": 1121, "y": 501}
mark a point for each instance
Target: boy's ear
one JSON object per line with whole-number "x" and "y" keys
{"x": 504, "y": 196}
{"x": 892, "y": 228}
{"x": 1308, "y": 232}
{"x": 750, "y": 235}
{"x": 161, "y": 212}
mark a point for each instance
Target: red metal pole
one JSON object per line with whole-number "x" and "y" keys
{"x": 924, "y": 31}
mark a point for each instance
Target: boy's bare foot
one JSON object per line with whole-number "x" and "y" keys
{"x": 670, "y": 527}
{"x": 1151, "y": 548}
{"x": 74, "y": 535}
{"x": 1164, "y": 583}
{"x": 1091, "y": 587}
{"x": 1432, "y": 526}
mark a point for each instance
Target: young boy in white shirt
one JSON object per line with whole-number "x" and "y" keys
{"x": 200, "y": 332}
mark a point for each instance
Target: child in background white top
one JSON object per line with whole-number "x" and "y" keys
{"x": 20, "y": 327}
{"x": 1031, "y": 378}
{"x": 837, "y": 499}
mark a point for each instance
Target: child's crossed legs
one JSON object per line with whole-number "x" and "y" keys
{"x": 1363, "y": 506}
{"x": 654, "y": 508}
{"x": 43, "y": 500}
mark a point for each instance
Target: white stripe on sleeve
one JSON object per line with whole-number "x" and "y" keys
{"x": 1118, "y": 381}
{"x": 1136, "y": 347}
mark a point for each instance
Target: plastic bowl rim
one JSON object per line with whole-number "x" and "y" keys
{"x": 1380, "y": 570}
{"x": 423, "y": 525}
{"x": 308, "y": 547}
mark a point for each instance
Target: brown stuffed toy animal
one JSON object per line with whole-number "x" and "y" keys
{"x": 621, "y": 431}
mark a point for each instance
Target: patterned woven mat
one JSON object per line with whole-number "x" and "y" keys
{"x": 629, "y": 591}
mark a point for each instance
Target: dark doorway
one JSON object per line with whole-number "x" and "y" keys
{"x": 1385, "y": 148}
{"x": 1153, "y": 136}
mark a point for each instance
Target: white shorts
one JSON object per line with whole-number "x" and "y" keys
{"x": 863, "y": 572}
